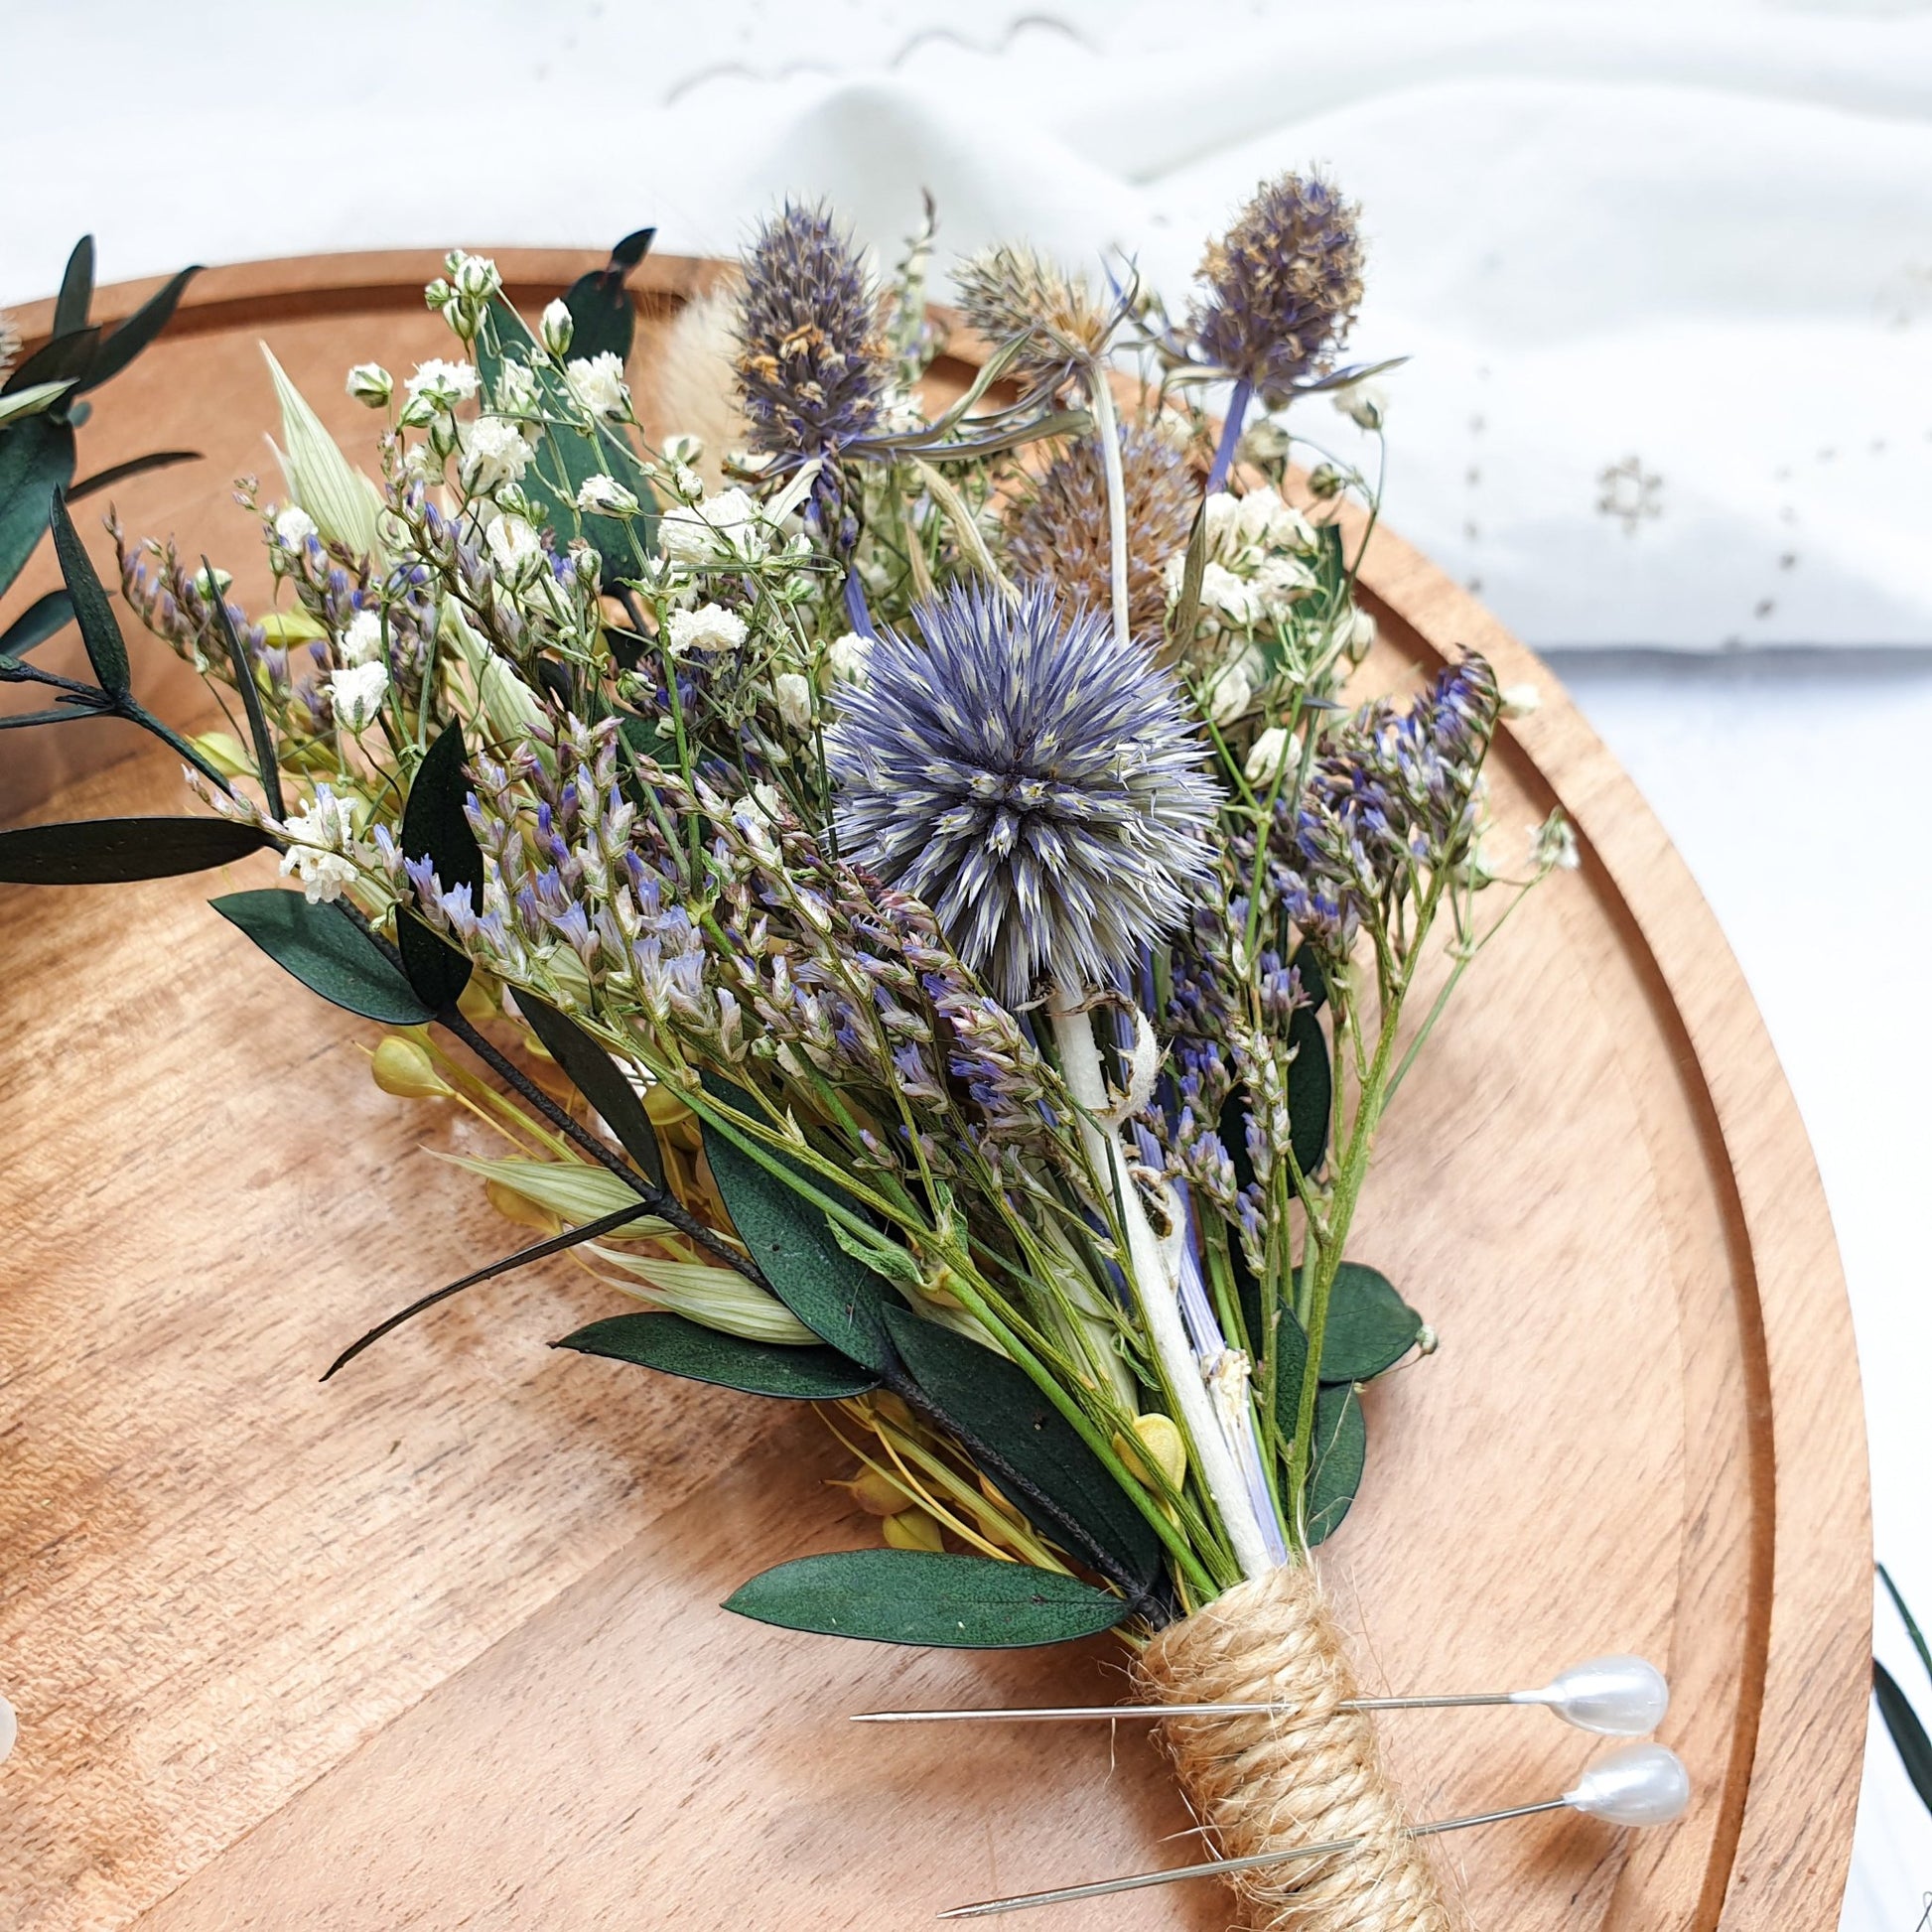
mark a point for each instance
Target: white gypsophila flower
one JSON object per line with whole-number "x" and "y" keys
{"x": 361, "y": 641}
{"x": 370, "y": 383}
{"x": 355, "y": 694}
{"x": 846, "y": 656}
{"x": 1230, "y": 596}
{"x": 793, "y": 697}
{"x": 518, "y": 393}
{"x": 602, "y": 495}
{"x": 515, "y": 547}
{"x": 1552, "y": 845}
{"x": 1361, "y": 634}
{"x": 710, "y": 627}
{"x": 294, "y": 526}
{"x": 494, "y": 454}
{"x": 555, "y": 328}
{"x": 725, "y": 527}
{"x": 684, "y": 452}
{"x": 442, "y": 383}
{"x": 474, "y": 276}
{"x": 320, "y": 835}
{"x": 1365, "y": 404}
{"x": 1519, "y": 700}
{"x": 598, "y": 384}
{"x": 1229, "y": 696}
{"x": 1270, "y": 755}
{"x": 424, "y": 463}
{"x": 1279, "y": 581}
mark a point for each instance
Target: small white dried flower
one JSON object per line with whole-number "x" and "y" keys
{"x": 603, "y": 496}
{"x": 687, "y": 451}
{"x": 1365, "y": 404}
{"x": 727, "y": 526}
{"x": 598, "y": 384}
{"x": 494, "y": 454}
{"x": 357, "y": 692}
{"x": 1271, "y": 753}
{"x": 555, "y": 328}
{"x": 1361, "y": 634}
{"x": 442, "y": 385}
{"x": 1229, "y": 696}
{"x": 793, "y": 697}
{"x": 846, "y": 657}
{"x": 319, "y": 837}
{"x": 518, "y": 393}
{"x": 294, "y": 526}
{"x": 710, "y": 627}
{"x": 472, "y": 276}
{"x": 361, "y": 641}
{"x": 1552, "y": 845}
{"x": 515, "y": 547}
{"x": 371, "y": 384}
{"x": 1519, "y": 700}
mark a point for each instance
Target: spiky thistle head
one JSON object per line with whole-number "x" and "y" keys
{"x": 1059, "y": 529}
{"x": 1031, "y": 777}
{"x": 811, "y": 361}
{"x": 1014, "y": 294}
{"x": 1282, "y": 286}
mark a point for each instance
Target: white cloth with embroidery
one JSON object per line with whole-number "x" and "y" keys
{"x": 1664, "y": 269}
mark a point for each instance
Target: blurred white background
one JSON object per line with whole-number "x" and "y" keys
{"x": 1664, "y": 271}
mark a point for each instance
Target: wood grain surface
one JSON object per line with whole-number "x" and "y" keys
{"x": 437, "y": 1644}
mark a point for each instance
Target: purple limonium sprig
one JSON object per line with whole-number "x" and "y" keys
{"x": 1031, "y": 779}
{"x": 1280, "y": 291}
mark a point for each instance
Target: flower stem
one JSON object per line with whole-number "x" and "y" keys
{"x": 1237, "y": 419}
{"x": 1160, "y": 1305}
{"x": 1107, "y": 427}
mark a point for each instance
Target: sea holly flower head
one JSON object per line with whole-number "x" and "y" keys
{"x": 1280, "y": 290}
{"x": 1031, "y": 779}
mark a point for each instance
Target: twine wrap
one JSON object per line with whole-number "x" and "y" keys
{"x": 1267, "y": 1782}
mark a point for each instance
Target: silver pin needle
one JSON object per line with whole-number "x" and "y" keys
{"x": 1220, "y": 1868}
{"x": 1071, "y": 1712}
{"x": 1642, "y": 1784}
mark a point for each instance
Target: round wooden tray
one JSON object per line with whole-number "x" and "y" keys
{"x": 437, "y": 1644}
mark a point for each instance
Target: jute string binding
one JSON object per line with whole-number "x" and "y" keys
{"x": 1262, "y": 1782}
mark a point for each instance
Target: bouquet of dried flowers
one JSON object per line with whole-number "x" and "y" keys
{"x": 941, "y": 932}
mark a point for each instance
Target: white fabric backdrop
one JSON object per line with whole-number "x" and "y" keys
{"x": 1676, "y": 254}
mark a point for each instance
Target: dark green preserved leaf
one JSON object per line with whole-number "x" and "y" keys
{"x": 435, "y": 827}
{"x": 134, "y": 467}
{"x": 1025, "y": 1443}
{"x": 60, "y": 359}
{"x": 99, "y": 631}
{"x": 108, "y": 851}
{"x": 37, "y": 458}
{"x": 328, "y": 953}
{"x": 47, "y": 617}
{"x": 1907, "y": 1732}
{"x": 1340, "y": 1452}
{"x": 675, "y": 1346}
{"x": 138, "y": 330}
{"x": 76, "y": 295}
{"x": 598, "y": 1078}
{"x": 916, "y": 1597}
{"x": 267, "y": 767}
{"x": 1370, "y": 1326}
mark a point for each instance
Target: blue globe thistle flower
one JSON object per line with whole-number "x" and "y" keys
{"x": 1282, "y": 286}
{"x": 1031, "y": 779}
{"x": 812, "y": 367}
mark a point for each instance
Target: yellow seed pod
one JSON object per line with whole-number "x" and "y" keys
{"x": 223, "y": 749}
{"x": 399, "y": 1065}
{"x": 478, "y": 1000}
{"x": 514, "y": 1208}
{"x": 998, "y": 1501}
{"x": 1163, "y": 1441}
{"x": 877, "y": 1493}
{"x": 285, "y": 627}
{"x": 914, "y": 1529}
{"x": 891, "y": 1407}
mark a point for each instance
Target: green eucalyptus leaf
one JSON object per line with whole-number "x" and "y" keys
{"x": 1340, "y": 1451}
{"x": 268, "y": 770}
{"x": 679, "y": 1348}
{"x": 43, "y": 618}
{"x": 1027, "y": 1446}
{"x": 119, "y": 472}
{"x": 1906, "y": 1618}
{"x": 598, "y": 1078}
{"x": 106, "y": 648}
{"x": 435, "y": 826}
{"x": 915, "y": 1596}
{"x": 76, "y": 295}
{"x": 108, "y": 851}
{"x": 328, "y": 952}
{"x": 602, "y": 320}
{"x": 37, "y": 458}
{"x": 1907, "y": 1732}
{"x": 1370, "y": 1326}
{"x": 1311, "y": 1089}
{"x": 138, "y": 330}
{"x": 838, "y": 1298}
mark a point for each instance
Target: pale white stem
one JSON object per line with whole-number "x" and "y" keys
{"x": 1107, "y": 427}
{"x": 1160, "y": 1305}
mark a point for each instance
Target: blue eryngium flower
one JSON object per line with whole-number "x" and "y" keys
{"x": 1035, "y": 781}
{"x": 811, "y": 362}
{"x": 1281, "y": 288}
